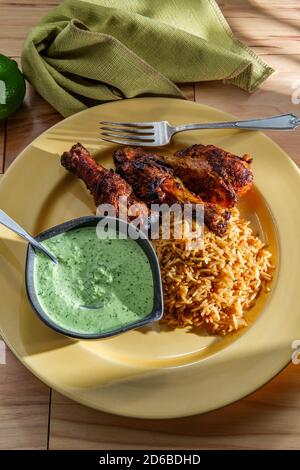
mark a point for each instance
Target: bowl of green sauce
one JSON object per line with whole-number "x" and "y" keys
{"x": 107, "y": 280}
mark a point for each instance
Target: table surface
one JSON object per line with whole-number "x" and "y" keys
{"x": 32, "y": 416}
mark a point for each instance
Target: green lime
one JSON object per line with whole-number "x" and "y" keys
{"x": 12, "y": 86}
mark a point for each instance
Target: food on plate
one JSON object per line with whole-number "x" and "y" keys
{"x": 99, "y": 284}
{"x": 212, "y": 289}
{"x": 208, "y": 288}
{"x": 216, "y": 175}
{"x": 105, "y": 186}
{"x": 155, "y": 184}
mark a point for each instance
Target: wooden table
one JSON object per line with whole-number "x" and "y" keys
{"x": 32, "y": 415}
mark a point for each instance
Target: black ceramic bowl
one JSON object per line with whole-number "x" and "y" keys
{"x": 91, "y": 221}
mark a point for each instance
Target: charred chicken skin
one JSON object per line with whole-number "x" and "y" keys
{"x": 156, "y": 184}
{"x": 105, "y": 186}
{"x": 216, "y": 175}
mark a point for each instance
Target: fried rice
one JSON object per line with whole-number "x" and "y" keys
{"x": 212, "y": 287}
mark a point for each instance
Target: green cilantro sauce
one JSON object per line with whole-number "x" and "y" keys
{"x": 112, "y": 274}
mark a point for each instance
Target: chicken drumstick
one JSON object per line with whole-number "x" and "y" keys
{"x": 105, "y": 186}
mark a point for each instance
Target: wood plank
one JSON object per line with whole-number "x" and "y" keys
{"x": 262, "y": 24}
{"x": 32, "y": 118}
{"x": 14, "y": 26}
{"x": 24, "y": 407}
{"x": 265, "y": 420}
{"x": 32, "y": 3}
{"x": 249, "y": 9}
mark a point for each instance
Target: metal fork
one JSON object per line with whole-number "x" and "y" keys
{"x": 157, "y": 133}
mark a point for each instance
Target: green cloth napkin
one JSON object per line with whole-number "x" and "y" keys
{"x": 86, "y": 52}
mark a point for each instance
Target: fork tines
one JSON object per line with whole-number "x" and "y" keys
{"x": 128, "y": 133}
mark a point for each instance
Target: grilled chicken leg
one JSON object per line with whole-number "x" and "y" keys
{"x": 105, "y": 186}
{"x": 156, "y": 184}
{"x": 216, "y": 175}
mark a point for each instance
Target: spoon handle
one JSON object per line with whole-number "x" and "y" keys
{"x": 12, "y": 225}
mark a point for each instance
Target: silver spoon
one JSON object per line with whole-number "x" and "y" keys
{"x": 12, "y": 225}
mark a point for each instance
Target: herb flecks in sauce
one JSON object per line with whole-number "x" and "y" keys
{"x": 111, "y": 274}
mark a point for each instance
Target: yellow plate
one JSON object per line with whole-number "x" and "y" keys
{"x": 151, "y": 373}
